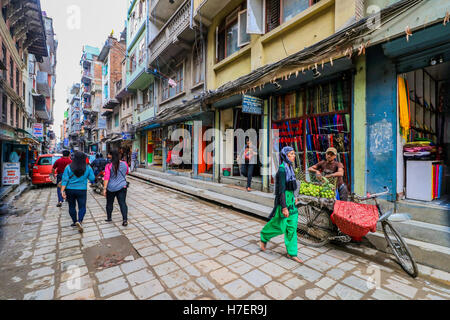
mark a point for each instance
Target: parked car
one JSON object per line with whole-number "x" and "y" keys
{"x": 43, "y": 167}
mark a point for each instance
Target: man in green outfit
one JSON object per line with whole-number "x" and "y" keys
{"x": 284, "y": 216}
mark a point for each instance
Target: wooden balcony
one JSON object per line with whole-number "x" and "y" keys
{"x": 174, "y": 35}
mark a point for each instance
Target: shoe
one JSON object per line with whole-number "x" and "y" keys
{"x": 79, "y": 226}
{"x": 59, "y": 205}
{"x": 125, "y": 223}
{"x": 73, "y": 225}
{"x": 108, "y": 220}
{"x": 249, "y": 189}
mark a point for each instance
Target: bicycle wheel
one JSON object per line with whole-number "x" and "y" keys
{"x": 314, "y": 231}
{"x": 400, "y": 249}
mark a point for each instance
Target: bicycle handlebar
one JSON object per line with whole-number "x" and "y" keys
{"x": 370, "y": 196}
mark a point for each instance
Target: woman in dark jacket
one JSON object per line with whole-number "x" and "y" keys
{"x": 284, "y": 216}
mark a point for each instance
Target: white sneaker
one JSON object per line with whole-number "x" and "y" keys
{"x": 79, "y": 226}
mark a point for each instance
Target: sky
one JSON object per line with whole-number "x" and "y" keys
{"x": 77, "y": 23}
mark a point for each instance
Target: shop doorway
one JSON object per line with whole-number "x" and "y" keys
{"x": 424, "y": 104}
{"x": 246, "y": 121}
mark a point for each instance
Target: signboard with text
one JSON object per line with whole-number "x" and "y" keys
{"x": 11, "y": 173}
{"x": 38, "y": 130}
{"x": 252, "y": 105}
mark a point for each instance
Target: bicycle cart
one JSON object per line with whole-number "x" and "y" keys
{"x": 316, "y": 227}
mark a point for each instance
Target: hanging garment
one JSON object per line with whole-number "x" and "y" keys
{"x": 403, "y": 108}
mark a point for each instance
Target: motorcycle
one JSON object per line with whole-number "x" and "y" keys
{"x": 98, "y": 185}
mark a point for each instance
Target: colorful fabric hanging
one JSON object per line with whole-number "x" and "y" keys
{"x": 403, "y": 108}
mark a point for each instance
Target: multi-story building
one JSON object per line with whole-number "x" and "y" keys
{"x": 139, "y": 82}
{"x": 91, "y": 88}
{"x": 22, "y": 32}
{"x": 176, "y": 59}
{"x": 111, "y": 56}
{"x": 74, "y": 116}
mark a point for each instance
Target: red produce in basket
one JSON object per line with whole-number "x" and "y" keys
{"x": 355, "y": 219}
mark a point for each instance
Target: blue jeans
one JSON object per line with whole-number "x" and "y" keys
{"x": 58, "y": 190}
{"x": 247, "y": 171}
{"x": 80, "y": 197}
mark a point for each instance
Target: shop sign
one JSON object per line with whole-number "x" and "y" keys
{"x": 252, "y": 104}
{"x": 38, "y": 130}
{"x": 102, "y": 123}
{"x": 127, "y": 136}
{"x": 66, "y": 142}
{"x": 11, "y": 173}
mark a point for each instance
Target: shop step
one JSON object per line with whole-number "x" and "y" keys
{"x": 428, "y": 254}
{"x": 429, "y": 213}
{"x": 245, "y": 205}
{"x": 258, "y": 197}
{"x": 422, "y": 231}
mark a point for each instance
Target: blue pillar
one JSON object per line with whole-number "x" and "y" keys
{"x": 381, "y": 111}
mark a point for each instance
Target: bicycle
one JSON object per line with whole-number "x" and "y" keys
{"x": 317, "y": 229}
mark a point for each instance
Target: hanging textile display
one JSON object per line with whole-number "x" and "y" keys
{"x": 314, "y": 118}
{"x": 403, "y": 100}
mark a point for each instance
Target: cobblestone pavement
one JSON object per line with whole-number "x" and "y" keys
{"x": 185, "y": 249}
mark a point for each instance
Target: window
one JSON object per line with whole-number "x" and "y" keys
{"x": 4, "y": 108}
{"x": 133, "y": 62}
{"x": 17, "y": 81}
{"x": 17, "y": 117}
{"x": 170, "y": 91}
{"x": 142, "y": 51}
{"x": 197, "y": 62}
{"x": 116, "y": 120}
{"x": 4, "y": 60}
{"x": 232, "y": 34}
{"x": 243, "y": 36}
{"x": 11, "y": 72}
{"x": 151, "y": 93}
{"x": 280, "y": 11}
{"x": 43, "y": 161}
{"x": 11, "y": 113}
{"x": 23, "y": 122}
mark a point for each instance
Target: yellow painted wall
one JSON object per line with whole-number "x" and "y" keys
{"x": 295, "y": 39}
{"x": 304, "y": 30}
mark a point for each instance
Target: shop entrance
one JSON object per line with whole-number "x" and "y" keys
{"x": 424, "y": 107}
{"x": 246, "y": 121}
{"x": 312, "y": 119}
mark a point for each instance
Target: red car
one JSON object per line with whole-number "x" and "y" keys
{"x": 43, "y": 168}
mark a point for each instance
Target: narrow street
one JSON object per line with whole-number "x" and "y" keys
{"x": 176, "y": 247}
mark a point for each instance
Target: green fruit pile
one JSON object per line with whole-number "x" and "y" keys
{"x": 324, "y": 191}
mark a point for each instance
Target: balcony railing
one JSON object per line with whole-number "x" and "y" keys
{"x": 170, "y": 31}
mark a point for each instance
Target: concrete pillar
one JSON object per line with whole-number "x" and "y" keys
{"x": 195, "y": 141}
{"x": 359, "y": 128}
{"x": 265, "y": 147}
{"x": 217, "y": 147}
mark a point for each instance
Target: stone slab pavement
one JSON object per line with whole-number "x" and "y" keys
{"x": 186, "y": 249}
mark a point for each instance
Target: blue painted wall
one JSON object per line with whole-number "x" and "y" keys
{"x": 381, "y": 122}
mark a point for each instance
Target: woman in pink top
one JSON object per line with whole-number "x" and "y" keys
{"x": 115, "y": 185}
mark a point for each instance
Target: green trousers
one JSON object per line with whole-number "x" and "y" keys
{"x": 279, "y": 225}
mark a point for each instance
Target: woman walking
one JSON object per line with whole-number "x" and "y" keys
{"x": 115, "y": 186}
{"x": 74, "y": 187}
{"x": 284, "y": 216}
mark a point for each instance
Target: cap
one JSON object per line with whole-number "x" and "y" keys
{"x": 332, "y": 150}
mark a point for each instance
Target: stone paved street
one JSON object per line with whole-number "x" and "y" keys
{"x": 183, "y": 249}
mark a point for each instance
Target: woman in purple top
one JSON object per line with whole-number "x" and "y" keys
{"x": 115, "y": 185}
